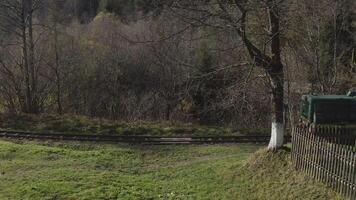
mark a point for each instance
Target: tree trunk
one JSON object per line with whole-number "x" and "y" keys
{"x": 59, "y": 96}
{"x": 277, "y": 114}
{"x": 28, "y": 97}
{"x": 57, "y": 72}
{"x": 168, "y": 112}
{"x": 34, "y": 103}
{"x": 276, "y": 75}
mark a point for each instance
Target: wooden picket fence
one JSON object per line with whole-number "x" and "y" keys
{"x": 328, "y": 154}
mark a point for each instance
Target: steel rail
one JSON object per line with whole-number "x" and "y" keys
{"x": 142, "y": 139}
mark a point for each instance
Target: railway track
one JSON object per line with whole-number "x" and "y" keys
{"x": 148, "y": 140}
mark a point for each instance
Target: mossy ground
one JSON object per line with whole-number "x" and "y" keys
{"x": 85, "y": 125}
{"x": 55, "y": 170}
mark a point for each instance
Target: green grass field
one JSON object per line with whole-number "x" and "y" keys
{"x": 55, "y": 170}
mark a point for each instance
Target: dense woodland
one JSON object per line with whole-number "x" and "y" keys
{"x": 198, "y": 61}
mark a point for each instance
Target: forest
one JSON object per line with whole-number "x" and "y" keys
{"x": 178, "y": 99}
{"x": 203, "y": 61}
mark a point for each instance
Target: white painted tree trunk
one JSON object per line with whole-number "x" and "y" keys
{"x": 277, "y": 134}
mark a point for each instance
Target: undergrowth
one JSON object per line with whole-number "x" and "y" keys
{"x": 86, "y": 125}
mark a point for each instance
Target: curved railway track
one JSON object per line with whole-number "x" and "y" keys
{"x": 148, "y": 140}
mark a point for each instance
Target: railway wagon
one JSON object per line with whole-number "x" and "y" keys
{"x": 330, "y": 109}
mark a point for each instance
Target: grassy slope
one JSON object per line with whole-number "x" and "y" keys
{"x": 81, "y": 124}
{"x": 273, "y": 174}
{"x": 87, "y": 171}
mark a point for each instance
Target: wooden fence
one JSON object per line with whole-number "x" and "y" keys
{"x": 328, "y": 154}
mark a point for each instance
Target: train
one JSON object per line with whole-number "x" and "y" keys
{"x": 329, "y": 109}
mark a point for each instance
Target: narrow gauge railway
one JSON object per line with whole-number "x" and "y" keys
{"x": 146, "y": 140}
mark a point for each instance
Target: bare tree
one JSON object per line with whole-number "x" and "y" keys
{"x": 327, "y": 42}
{"x": 18, "y": 21}
{"x": 236, "y": 15}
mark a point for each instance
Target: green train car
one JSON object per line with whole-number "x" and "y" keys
{"x": 330, "y": 109}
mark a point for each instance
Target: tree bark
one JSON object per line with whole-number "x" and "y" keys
{"x": 277, "y": 107}
{"x": 57, "y": 72}
{"x": 275, "y": 72}
{"x": 28, "y": 99}
{"x": 34, "y": 102}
